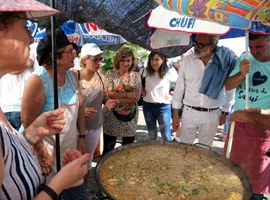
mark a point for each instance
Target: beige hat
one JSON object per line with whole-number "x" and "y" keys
{"x": 33, "y": 8}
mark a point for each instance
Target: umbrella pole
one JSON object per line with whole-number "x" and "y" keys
{"x": 55, "y": 85}
{"x": 247, "y": 39}
{"x": 229, "y": 147}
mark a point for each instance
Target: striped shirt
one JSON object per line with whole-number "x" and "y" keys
{"x": 22, "y": 172}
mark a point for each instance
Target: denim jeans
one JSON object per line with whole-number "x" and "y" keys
{"x": 228, "y": 122}
{"x": 14, "y": 118}
{"x": 77, "y": 192}
{"x": 160, "y": 112}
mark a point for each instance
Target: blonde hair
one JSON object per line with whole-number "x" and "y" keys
{"x": 82, "y": 64}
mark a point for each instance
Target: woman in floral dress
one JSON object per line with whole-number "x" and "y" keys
{"x": 124, "y": 85}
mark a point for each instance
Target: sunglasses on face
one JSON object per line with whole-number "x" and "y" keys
{"x": 96, "y": 60}
{"x": 201, "y": 45}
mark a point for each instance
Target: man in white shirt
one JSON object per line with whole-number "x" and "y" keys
{"x": 200, "y": 85}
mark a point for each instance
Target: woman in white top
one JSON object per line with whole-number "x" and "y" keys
{"x": 157, "y": 100}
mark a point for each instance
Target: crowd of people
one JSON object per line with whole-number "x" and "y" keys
{"x": 207, "y": 84}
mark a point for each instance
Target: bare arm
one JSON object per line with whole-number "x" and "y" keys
{"x": 233, "y": 81}
{"x": 125, "y": 97}
{"x": 176, "y": 119}
{"x": 106, "y": 93}
{"x": 1, "y": 166}
{"x": 110, "y": 103}
{"x": 33, "y": 100}
{"x": 46, "y": 124}
{"x": 63, "y": 179}
{"x": 32, "y": 103}
{"x": 252, "y": 117}
{"x": 81, "y": 115}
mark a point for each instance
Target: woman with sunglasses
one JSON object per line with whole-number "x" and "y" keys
{"x": 38, "y": 97}
{"x": 94, "y": 95}
{"x": 20, "y": 172}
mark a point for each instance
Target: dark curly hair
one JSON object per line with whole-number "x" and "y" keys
{"x": 47, "y": 63}
{"x": 44, "y": 48}
{"x": 163, "y": 68}
{"x": 123, "y": 53}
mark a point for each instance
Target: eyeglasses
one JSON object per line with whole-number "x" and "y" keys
{"x": 201, "y": 45}
{"x": 31, "y": 26}
{"x": 96, "y": 60}
{"x": 70, "y": 51}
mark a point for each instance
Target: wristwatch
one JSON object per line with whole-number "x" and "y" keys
{"x": 49, "y": 191}
{"x": 224, "y": 113}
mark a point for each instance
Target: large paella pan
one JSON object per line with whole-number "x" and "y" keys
{"x": 167, "y": 170}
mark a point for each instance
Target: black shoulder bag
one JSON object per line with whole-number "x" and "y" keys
{"x": 140, "y": 102}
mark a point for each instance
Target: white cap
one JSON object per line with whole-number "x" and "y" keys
{"x": 90, "y": 49}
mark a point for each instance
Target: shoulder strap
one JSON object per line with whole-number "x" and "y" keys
{"x": 143, "y": 79}
{"x": 101, "y": 81}
{"x": 71, "y": 80}
{"x": 79, "y": 75}
{"x": 142, "y": 73}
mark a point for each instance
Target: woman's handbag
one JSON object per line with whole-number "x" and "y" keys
{"x": 125, "y": 111}
{"x": 124, "y": 117}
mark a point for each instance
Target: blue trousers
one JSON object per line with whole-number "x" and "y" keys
{"x": 14, "y": 118}
{"x": 161, "y": 113}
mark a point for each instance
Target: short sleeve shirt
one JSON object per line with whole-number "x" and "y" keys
{"x": 258, "y": 85}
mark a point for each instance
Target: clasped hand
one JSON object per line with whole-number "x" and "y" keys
{"x": 244, "y": 67}
{"x": 48, "y": 123}
{"x": 134, "y": 96}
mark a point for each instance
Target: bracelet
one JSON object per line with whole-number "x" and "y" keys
{"x": 81, "y": 136}
{"x": 28, "y": 139}
{"x": 49, "y": 191}
{"x": 224, "y": 113}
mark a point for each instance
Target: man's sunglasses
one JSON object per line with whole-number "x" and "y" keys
{"x": 201, "y": 45}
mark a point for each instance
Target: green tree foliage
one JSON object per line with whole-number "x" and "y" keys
{"x": 108, "y": 60}
{"x": 138, "y": 51}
